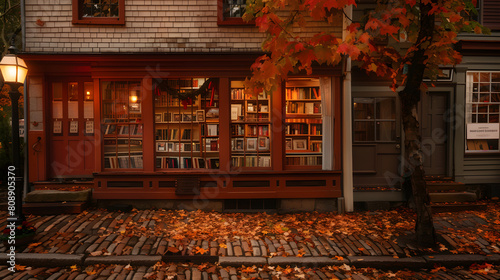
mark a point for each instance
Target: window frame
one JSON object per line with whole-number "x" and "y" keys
{"x": 78, "y": 19}
{"x": 238, "y": 21}
{"x": 469, "y": 102}
{"x": 374, "y": 120}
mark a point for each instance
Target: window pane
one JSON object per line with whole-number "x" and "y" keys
{"x": 364, "y": 131}
{"x": 495, "y": 97}
{"x": 484, "y": 77}
{"x": 482, "y": 118}
{"x": 386, "y": 108}
{"x": 186, "y": 124}
{"x": 363, "y": 108}
{"x": 386, "y": 131}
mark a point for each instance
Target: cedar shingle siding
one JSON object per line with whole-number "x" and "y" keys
{"x": 150, "y": 27}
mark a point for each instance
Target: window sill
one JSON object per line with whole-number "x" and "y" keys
{"x": 99, "y": 21}
{"x": 235, "y": 22}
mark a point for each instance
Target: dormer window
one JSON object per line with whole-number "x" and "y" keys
{"x": 230, "y": 12}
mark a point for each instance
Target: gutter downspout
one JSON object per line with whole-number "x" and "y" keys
{"x": 347, "y": 173}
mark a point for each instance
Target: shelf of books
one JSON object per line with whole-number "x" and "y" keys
{"x": 303, "y": 124}
{"x": 250, "y": 128}
{"x": 121, "y": 125}
{"x": 186, "y": 131}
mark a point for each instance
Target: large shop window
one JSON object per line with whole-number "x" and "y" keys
{"x": 122, "y": 125}
{"x": 303, "y": 123}
{"x": 187, "y": 124}
{"x": 250, "y": 128}
{"x": 374, "y": 119}
{"x": 98, "y": 11}
{"x": 482, "y": 111}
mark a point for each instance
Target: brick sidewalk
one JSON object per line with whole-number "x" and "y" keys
{"x": 101, "y": 233}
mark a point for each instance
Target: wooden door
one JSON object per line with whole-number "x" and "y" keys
{"x": 376, "y": 142}
{"x": 434, "y": 132}
{"x": 71, "y": 148}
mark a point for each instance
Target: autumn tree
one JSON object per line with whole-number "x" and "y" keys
{"x": 429, "y": 29}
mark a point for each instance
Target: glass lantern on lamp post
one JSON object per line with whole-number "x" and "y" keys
{"x": 14, "y": 71}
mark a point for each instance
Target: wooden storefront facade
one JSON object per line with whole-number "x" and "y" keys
{"x": 123, "y": 121}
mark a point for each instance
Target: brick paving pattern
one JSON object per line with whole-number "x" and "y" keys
{"x": 100, "y": 233}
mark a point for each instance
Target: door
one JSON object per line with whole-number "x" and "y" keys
{"x": 71, "y": 129}
{"x": 376, "y": 142}
{"x": 434, "y": 132}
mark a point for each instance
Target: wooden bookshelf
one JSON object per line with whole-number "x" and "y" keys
{"x": 250, "y": 128}
{"x": 186, "y": 133}
{"x": 303, "y": 125}
{"x": 121, "y": 125}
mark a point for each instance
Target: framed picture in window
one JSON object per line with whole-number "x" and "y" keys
{"x": 251, "y": 144}
{"x": 187, "y": 117}
{"x": 167, "y": 117}
{"x": 263, "y": 143}
{"x": 157, "y": 118}
{"x": 57, "y": 128}
{"x": 300, "y": 144}
{"x": 177, "y": 117}
{"x": 238, "y": 145}
{"x": 288, "y": 144}
{"x": 200, "y": 115}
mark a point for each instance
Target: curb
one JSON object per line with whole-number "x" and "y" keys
{"x": 132, "y": 260}
{"x": 379, "y": 262}
{"x": 45, "y": 260}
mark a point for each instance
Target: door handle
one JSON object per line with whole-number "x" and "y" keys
{"x": 398, "y": 146}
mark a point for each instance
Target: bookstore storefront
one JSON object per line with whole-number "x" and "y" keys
{"x": 167, "y": 128}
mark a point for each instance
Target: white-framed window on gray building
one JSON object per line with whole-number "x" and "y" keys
{"x": 482, "y": 111}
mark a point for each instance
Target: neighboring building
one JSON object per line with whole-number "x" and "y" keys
{"x": 145, "y": 99}
{"x": 459, "y": 119}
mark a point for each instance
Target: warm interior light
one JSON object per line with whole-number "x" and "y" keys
{"x": 88, "y": 92}
{"x": 133, "y": 98}
{"x": 14, "y": 69}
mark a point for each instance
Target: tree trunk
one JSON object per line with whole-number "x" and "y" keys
{"x": 410, "y": 96}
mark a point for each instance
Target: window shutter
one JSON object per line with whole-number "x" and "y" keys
{"x": 491, "y": 14}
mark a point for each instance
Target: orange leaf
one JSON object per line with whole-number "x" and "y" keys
{"x": 173, "y": 250}
{"x": 20, "y": 267}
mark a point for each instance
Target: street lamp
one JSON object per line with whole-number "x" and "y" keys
{"x": 14, "y": 72}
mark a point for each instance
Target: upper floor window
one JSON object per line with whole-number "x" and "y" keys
{"x": 488, "y": 14}
{"x": 230, "y": 12}
{"x": 98, "y": 11}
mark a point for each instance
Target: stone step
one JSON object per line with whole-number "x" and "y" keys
{"x": 54, "y": 208}
{"x": 457, "y": 207}
{"x": 37, "y": 196}
{"x": 446, "y": 186}
{"x": 453, "y": 197}
{"x": 438, "y": 178}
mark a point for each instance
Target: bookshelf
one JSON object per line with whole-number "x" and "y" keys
{"x": 121, "y": 125}
{"x": 303, "y": 124}
{"x": 250, "y": 128}
{"x": 186, "y": 132}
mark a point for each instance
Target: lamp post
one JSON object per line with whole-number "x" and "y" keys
{"x": 14, "y": 71}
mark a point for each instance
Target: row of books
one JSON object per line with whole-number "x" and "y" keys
{"x": 299, "y": 107}
{"x": 257, "y": 130}
{"x": 297, "y": 128}
{"x": 316, "y": 129}
{"x": 177, "y": 147}
{"x": 303, "y": 93}
{"x": 316, "y": 146}
{"x": 187, "y": 162}
{"x": 251, "y": 161}
{"x": 306, "y": 160}
{"x": 239, "y": 94}
{"x": 174, "y": 134}
{"x": 115, "y": 162}
{"x": 113, "y": 129}
{"x": 122, "y": 142}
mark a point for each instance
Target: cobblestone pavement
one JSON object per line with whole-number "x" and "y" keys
{"x": 213, "y": 272}
{"x": 146, "y": 232}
